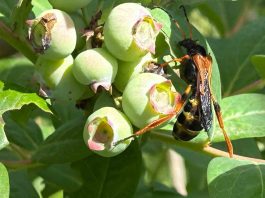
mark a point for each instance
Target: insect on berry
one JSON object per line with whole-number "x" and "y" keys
{"x": 197, "y": 100}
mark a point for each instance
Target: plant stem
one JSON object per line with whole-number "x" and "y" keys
{"x": 16, "y": 164}
{"x": 20, "y": 164}
{"x": 208, "y": 150}
{"x": 23, "y": 153}
{"x": 257, "y": 85}
{"x": 17, "y": 42}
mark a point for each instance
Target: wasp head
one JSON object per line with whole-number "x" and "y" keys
{"x": 192, "y": 47}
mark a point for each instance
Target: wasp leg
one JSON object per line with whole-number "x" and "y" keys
{"x": 218, "y": 113}
{"x": 160, "y": 121}
{"x": 175, "y": 60}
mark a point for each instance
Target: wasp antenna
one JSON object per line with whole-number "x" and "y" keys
{"x": 180, "y": 29}
{"x": 187, "y": 19}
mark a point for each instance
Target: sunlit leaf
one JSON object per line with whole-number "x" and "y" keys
{"x": 12, "y": 99}
{"x": 40, "y": 6}
{"x": 58, "y": 194}
{"x": 235, "y": 178}
{"x": 243, "y": 116}
{"x": 4, "y": 182}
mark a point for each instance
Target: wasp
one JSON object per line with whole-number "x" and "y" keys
{"x": 194, "y": 110}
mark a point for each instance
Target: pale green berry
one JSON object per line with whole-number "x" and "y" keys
{"x": 104, "y": 127}
{"x": 147, "y": 97}
{"x": 95, "y": 67}
{"x": 69, "y": 5}
{"x": 130, "y": 32}
{"x": 58, "y": 77}
{"x": 128, "y": 70}
{"x": 53, "y": 34}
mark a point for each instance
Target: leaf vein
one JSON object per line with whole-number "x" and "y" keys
{"x": 244, "y": 63}
{"x": 236, "y": 116}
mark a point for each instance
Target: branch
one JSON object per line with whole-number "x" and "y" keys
{"x": 208, "y": 150}
{"x": 16, "y": 41}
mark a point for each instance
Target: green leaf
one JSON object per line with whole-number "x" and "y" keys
{"x": 7, "y": 154}
{"x": 156, "y": 191}
{"x": 58, "y": 194}
{"x": 25, "y": 133}
{"x": 167, "y": 30}
{"x": 3, "y": 138}
{"x": 40, "y": 6}
{"x": 66, "y": 178}
{"x": 66, "y": 144}
{"x": 235, "y": 178}
{"x": 233, "y": 56}
{"x": 225, "y": 15}
{"x": 11, "y": 67}
{"x": 93, "y": 7}
{"x": 12, "y": 99}
{"x": 21, "y": 186}
{"x": 4, "y": 182}
{"x": 156, "y": 159}
{"x": 259, "y": 62}
{"x": 196, "y": 172}
{"x": 240, "y": 148}
{"x": 243, "y": 116}
{"x": 19, "y": 16}
{"x": 110, "y": 177}
{"x": 6, "y": 7}
{"x": 104, "y": 100}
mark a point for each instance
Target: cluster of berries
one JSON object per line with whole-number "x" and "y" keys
{"x": 116, "y": 54}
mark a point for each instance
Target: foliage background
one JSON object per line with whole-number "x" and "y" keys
{"x": 42, "y": 150}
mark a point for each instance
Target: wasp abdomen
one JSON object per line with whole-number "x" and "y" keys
{"x": 181, "y": 132}
{"x": 188, "y": 124}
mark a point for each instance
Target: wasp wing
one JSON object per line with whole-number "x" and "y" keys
{"x": 204, "y": 66}
{"x": 206, "y": 107}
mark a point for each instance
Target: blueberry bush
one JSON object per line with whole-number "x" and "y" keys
{"x": 76, "y": 77}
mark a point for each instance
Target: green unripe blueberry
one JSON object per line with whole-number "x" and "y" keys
{"x": 127, "y": 70}
{"x": 104, "y": 127}
{"x": 130, "y": 31}
{"x": 69, "y": 5}
{"x": 147, "y": 97}
{"x": 52, "y": 71}
{"x": 53, "y": 34}
{"x": 95, "y": 67}
{"x": 58, "y": 77}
